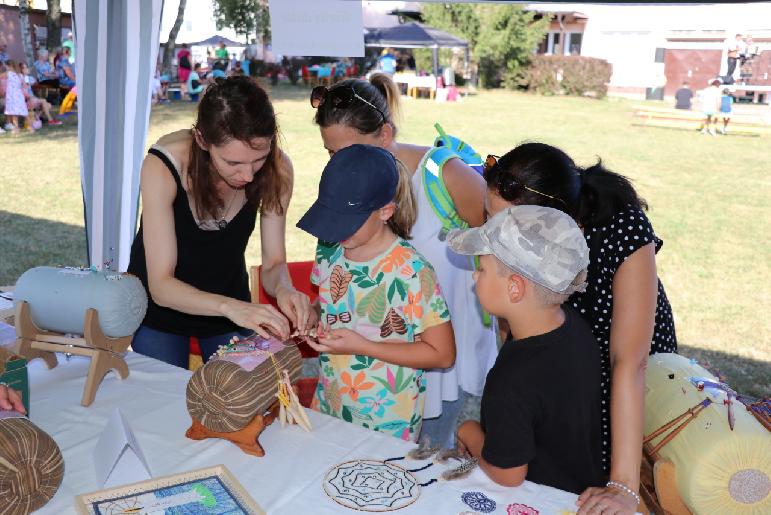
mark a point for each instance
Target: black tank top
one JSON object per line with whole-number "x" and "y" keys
{"x": 212, "y": 261}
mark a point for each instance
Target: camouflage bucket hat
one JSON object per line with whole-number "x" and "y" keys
{"x": 542, "y": 244}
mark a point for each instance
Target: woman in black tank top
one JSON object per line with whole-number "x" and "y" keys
{"x": 201, "y": 192}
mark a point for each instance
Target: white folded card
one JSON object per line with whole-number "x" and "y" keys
{"x": 118, "y": 458}
{"x": 317, "y": 28}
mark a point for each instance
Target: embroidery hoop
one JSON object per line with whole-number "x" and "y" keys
{"x": 334, "y": 470}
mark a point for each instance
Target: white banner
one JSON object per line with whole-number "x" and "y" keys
{"x": 317, "y": 28}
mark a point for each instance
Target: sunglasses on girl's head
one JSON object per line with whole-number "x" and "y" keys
{"x": 511, "y": 182}
{"x": 340, "y": 98}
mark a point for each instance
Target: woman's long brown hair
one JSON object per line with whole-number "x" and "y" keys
{"x": 236, "y": 108}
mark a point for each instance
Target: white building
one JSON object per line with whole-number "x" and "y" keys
{"x": 655, "y": 46}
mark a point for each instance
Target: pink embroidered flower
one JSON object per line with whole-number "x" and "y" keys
{"x": 520, "y": 509}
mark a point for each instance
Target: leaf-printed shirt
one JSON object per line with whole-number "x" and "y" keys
{"x": 393, "y": 297}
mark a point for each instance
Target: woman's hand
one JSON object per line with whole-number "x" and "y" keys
{"x": 606, "y": 501}
{"x": 263, "y": 319}
{"x": 10, "y": 399}
{"x": 297, "y": 307}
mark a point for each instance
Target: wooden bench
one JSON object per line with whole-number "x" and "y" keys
{"x": 667, "y": 117}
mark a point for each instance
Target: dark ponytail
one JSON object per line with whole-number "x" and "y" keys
{"x": 603, "y": 194}
{"x": 540, "y": 174}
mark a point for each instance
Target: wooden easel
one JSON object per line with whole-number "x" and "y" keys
{"x": 105, "y": 352}
{"x": 245, "y": 438}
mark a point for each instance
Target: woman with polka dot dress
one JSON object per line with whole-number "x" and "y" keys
{"x": 624, "y": 303}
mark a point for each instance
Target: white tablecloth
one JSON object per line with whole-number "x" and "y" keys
{"x": 287, "y": 480}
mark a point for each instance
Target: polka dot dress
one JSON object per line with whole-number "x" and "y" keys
{"x": 609, "y": 246}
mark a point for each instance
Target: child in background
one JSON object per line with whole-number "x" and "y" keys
{"x": 384, "y": 318}
{"x": 15, "y": 99}
{"x": 35, "y": 103}
{"x": 540, "y": 417}
{"x": 710, "y": 105}
{"x": 726, "y": 106}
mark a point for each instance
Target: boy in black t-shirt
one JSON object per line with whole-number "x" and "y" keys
{"x": 541, "y": 402}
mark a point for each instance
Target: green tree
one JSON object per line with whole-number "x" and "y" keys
{"x": 171, "y": 42}
{"x": 54, "y": 24}
{"x": 246, "y": 17}
{"x": 501, "y": 37}
{"x": 461, "y": 20}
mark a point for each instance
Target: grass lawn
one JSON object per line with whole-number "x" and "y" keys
{"x": 709, "y": 199}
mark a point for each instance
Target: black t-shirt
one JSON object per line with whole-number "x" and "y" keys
{"x": 541, "y": 407}
{"x": 683, "y": 98}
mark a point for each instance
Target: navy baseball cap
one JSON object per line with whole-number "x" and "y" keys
{"x": 357, "y": 180}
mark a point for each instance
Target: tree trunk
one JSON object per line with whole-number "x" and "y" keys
{"x": 168, "y": 52}
{"x": 54, "y": 22}
{"x": 26, "y": 34}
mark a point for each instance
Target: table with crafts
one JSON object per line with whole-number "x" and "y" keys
{"x": 287, "y": 480}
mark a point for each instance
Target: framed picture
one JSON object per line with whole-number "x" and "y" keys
{"x": 207, "y": 491}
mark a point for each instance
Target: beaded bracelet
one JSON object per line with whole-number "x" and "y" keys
{"x": 625, "y": 489}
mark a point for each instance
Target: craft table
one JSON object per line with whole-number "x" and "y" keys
{"x": 287, "y": 480}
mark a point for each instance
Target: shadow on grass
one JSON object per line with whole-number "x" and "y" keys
{"x": 745, "y": 375}
{"x": 26, "y": 242}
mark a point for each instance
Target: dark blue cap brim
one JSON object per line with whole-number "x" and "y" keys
{"x": 331, "y": 226}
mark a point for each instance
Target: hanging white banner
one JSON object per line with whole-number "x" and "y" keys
{"x": 317, "y": 28}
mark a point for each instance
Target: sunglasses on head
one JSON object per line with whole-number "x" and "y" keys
{"x": 511, "y": 182}
{"x": 340, "y": 98}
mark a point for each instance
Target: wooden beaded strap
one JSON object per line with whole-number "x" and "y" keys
{"x": 683, "y": 420}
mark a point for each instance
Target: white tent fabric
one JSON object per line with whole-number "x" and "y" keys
{"x": 117, "y": 49}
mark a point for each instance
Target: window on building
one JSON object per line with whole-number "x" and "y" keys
{"x": 554, "y": 44}
{"x": 574, "y": 43}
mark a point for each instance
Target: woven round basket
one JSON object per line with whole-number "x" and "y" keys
{"x": 224, "y": 397}
{"x": 38, "y": 462}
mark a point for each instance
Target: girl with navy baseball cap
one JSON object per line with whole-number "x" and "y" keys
{"x": 384, "y": 320}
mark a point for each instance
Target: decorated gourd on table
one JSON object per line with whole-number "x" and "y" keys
{"x": 241, "y": 381}
{"x": 721, "y": 452}
{"x": 59, "y": 298}
{"x": 31, "y": 465}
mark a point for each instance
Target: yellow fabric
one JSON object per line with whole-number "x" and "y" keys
{"x": 706, "y": 453}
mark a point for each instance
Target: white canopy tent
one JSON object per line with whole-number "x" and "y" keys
{"x": 117, "y": 49}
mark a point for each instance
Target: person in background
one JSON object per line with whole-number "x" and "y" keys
{"x": 46, "y": 74}
{"x": 3, "y": 55}
{"x": 683, "y": 97}
{"x": 221, "y": 54}
{"x": 33, "y": 102}
{"x": 66, "y": 72}
{"x": 4, "y": 125}
{"x": 70, "y": 44}
{"x": 15, "y": 98}
{"x": 184, "y": 64}
{"x": 710, "y": 105}
{"x": 726, "y": 107}
{"x": 194, "y": 83}
{"x": 733, "y": 48}
{"x": 387, "y": 62}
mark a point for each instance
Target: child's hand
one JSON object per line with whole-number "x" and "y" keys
{"x": 337, "y": 341}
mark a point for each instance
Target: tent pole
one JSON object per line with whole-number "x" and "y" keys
{"x": 435, "y": 52}
{"x": 466, "y": 74}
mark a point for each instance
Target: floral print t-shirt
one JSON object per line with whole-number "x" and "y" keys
{"x": 392, "y": 297}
